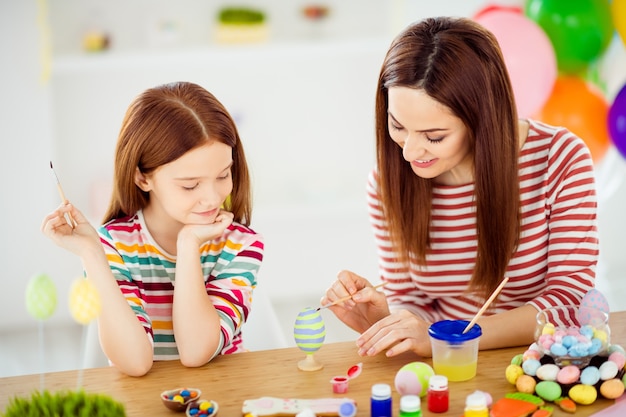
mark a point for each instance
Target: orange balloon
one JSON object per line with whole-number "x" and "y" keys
{"x": 581, "y": 108}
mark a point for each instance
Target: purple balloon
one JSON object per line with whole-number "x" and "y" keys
{"x": 617, "y": 121}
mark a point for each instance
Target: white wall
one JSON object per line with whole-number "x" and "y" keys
{"x": 305, "y": 115}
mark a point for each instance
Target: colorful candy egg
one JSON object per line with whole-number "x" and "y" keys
{"x": 619, "y": 358}
{"x": 512, "y": 373}
{"x": 583, "y": 394}
{"x": 547, "y": 372}
{"x": 590, "y": 375}
{"x": 608, "y": 370}
{"x": 612, "y": 389}
{"x": 568, "y": 375}
{"x": 526, "y": 384}
{"x": 548, "y": 390}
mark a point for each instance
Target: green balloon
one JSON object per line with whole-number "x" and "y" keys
{"x": 41, "y": 297}
{"x": 580, "y": 30}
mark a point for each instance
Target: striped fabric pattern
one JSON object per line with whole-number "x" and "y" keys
{"x": 556, "y": 258}
{"x": 146, "y": 276}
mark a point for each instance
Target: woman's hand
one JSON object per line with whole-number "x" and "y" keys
{"x": 399, "y": 332}
{"x": 366, "y": 306}
{"x": 76, "y": 239}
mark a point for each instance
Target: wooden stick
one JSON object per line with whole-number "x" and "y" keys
{"x": 341, "y": 300}
{"x": 484, "y": 307}
{"x": 64, "y": 200}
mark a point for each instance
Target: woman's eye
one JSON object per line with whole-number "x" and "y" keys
{"x": 193, "y": 187}
{"x": 224, "y": 177}
{"x": 434, "y": 140}
{"x": 395, "y": 127}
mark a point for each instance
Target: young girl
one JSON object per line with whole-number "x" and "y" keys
{"x": 465, "y": 194}
{"x": 175, "y": 262}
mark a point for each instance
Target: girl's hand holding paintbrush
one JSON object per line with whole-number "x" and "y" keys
{"x": 78, "y": 237}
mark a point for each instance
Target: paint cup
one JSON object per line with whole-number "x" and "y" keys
{"x": 455, "y": 354}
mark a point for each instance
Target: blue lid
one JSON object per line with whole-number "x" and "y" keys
{"x": 451, "y": 331}
{"x": 347, "y": 409}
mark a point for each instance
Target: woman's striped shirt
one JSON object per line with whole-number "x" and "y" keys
{"x": 558, "y": 249}
{"x": 145, "y": 274}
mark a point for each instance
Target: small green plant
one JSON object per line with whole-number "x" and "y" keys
{"x": 64, "y": 404}
{"x": 240, "y": 15}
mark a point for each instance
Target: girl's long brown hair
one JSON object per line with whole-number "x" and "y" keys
{"x": 161, "y": 125}
{"x": 459, "y": 64}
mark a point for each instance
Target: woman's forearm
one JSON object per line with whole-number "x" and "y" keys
{"x": 512, "y": 328}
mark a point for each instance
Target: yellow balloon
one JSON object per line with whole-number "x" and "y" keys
{"x": 618, "y": 13}
{"x": 84, "y": 301}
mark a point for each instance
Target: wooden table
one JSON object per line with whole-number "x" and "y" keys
{"x": 231, "y": 379}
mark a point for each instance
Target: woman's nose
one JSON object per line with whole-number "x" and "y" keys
{"x": 413, "y": 148}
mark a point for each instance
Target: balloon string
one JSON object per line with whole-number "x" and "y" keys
{"x": 42, "y": 359}
{"x": 83, "y": 349}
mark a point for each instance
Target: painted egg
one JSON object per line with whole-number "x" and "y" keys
{"x": 619, "y": 358}
{"x": 548, "y": 390}
{"x": 590, "y": 375}
{"x": 612, "y": 389}
{"x": 513, "y": 372}
{"x": 548, "y": 372}
{"x": 568, "y": 374}
{"x": 517, "y": 359}
{"x": 526, "y": 384}
{"x": 41, "y": 297}
{"x": 583, "y": 394}
{"x": 608, "y": 370}
{"x": 84, "y": 301}
{"x": 593, "y": 308}
{"x": 412, "y": 378}
{"x": 309, "y": 331}
{"x": 530, "y": 366}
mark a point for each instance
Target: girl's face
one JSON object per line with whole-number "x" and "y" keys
{"x": 433, "y": 140}
{"x": 191, "y": 189}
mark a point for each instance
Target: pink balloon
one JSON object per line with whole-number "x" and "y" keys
{"x": 529, "y": 57}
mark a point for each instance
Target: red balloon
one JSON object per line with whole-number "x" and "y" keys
{"x": 578, "y": 106}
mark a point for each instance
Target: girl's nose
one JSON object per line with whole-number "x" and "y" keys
{"x": 413, "y": 148}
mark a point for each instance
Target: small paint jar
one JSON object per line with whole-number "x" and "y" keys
{"x": 340, "y": 384}
{"x": 438, "y": 395}
{"x": 380, "y": 402}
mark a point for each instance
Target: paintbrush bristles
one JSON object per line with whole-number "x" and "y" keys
{"x": 64, "y": 200}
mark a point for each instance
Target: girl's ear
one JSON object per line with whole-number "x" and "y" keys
{"x": 141, "y": 181}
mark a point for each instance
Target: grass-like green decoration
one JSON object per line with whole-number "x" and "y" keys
{"x": 64, "y": 404}
{"x": 240, "y": 15}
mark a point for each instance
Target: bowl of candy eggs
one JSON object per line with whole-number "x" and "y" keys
{"x": 178, "y": 399}
{"x": 202, "y": 408}
{"x": 572, "y": 335}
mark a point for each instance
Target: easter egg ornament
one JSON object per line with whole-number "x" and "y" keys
{"x": 309, "y": 333}
{"x": 412, "y": 378}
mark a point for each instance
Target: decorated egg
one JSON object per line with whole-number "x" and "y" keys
{"x": 526, "y": 384}
{"x": 583, "y": 394}
{"x": 513, "y": 372}
{"x": 412, "y": 378}
{"x": 41, "y": 297}
{"x": 548, "y": 390}
{"x": 593, "y": 308}
{"x": 84, "y": 301}
{"x": 612, "y": 389}
{"x": 309, "y": 331}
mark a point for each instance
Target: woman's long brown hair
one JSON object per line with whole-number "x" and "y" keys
{"x": 459, "y": 64}
{"x": 162, "y": 124}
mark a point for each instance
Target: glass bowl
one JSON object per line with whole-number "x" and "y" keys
{"x": 572, "y": 335}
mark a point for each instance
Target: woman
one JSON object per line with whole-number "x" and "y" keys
{"x": 465, "y": 194}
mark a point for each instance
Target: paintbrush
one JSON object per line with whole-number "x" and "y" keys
{"x": 71, "y": 221}
{"x": 346, "y": 298}
{"x": 487, "y": 303}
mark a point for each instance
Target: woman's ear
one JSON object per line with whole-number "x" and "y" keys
{"x": 141, "y": 180}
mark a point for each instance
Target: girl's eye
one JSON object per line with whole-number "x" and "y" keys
{"x": 395, "y": 127}
{"x": 224, "y": 177}
{"x": 434, "y": 140}
{"x": 190, "y": 188}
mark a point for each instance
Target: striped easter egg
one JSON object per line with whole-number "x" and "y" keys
{"x": 309, "y": 331}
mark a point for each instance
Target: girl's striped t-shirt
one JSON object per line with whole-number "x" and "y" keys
{"x": 557, "y": 253}
{"x": 145, "y": 274}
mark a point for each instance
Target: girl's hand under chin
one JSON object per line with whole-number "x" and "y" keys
{"x": 201, "y": 233}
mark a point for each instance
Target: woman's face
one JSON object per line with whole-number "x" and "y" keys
{"x": 433, "y": 140}
{"x": 191, "y": 189}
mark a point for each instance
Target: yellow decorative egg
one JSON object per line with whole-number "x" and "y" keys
{"x": 513, "y": 372}
{"x": 612, "y": 389}
{"x": 548, "y": 328}
{"x": 84, "y": 301}
{"x": 583, "y": 394}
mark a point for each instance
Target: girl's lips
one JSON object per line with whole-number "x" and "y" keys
{"x": 423, "y": 164}
{"x": 207, "y": 213}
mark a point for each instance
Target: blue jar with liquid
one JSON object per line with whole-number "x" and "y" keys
{"x": 380, "y": 403}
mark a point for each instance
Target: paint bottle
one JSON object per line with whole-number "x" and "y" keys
{"x": 410, "y": 406}
{"x": 476, "y": 405}
{"x": 380, "y": 403}
{"x": 438, "y": 395}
